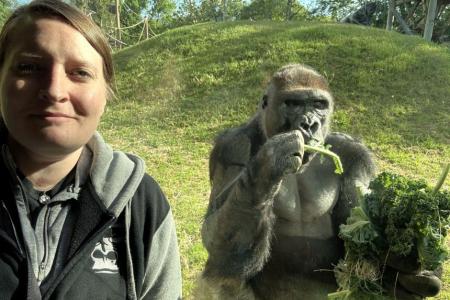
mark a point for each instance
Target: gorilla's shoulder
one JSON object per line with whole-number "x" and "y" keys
{"x": 352, "y": 152}
{"x": 340, "y": 138}
{"x": 237, "y": 145}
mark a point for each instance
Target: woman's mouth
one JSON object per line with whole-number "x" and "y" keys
{"x": 53, "y": 116}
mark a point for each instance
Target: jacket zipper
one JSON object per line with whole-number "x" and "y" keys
{"x": 43, "y": 263}
{"x": 16, "y": 236}
{"x": 76, "y": 257}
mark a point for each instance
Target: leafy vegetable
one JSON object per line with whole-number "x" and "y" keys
{"x": 324, "y": 150}
{"x": 399, "y": 216}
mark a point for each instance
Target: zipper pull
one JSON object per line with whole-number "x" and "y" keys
{"x": 43, "y": 198}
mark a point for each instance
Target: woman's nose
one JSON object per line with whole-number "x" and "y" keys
{"x": 54, "y": 86}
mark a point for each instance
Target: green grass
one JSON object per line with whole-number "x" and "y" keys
{"x": 177, "y": 91}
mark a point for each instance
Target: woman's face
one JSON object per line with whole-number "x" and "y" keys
{"x": 52, "y": 88}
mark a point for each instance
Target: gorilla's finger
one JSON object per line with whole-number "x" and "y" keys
{"x": 293, "y": 164}
{"x": 424, "y": 284}
{"x": 400, "y": 294}
{"x": 292, "y": 144}
{"x": 405, "y": 264}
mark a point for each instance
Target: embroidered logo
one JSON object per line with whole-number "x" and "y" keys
{"x": 104, "y": 256}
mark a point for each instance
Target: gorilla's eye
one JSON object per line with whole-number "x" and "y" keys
{"x": 320, "y": 104}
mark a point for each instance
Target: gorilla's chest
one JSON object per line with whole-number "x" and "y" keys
{"x": 304, "y": 202}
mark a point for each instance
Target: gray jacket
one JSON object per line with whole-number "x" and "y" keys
{"x": 109, "y": 234}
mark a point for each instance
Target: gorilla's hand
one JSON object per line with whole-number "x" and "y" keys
{"x": 282, "y": 154}
{"x": 405, "y": 280}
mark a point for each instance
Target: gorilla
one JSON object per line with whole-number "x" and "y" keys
{"x": 271, "y": 228}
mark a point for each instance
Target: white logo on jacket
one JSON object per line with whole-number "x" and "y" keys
{"x": 104, "y": 256}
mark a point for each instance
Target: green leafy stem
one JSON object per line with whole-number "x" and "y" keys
{"x": 322, "y": 150}
{"x": 442, "y": 177}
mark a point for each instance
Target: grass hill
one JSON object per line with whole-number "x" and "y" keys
{"x": 178, "y": 90}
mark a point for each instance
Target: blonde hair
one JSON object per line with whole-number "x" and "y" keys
{"x": 68, "y": 14}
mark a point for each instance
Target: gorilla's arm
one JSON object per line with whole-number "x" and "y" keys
{"x": 238, "y": 224}
{"x": 246, "y": 173}
{"x": 359, "y": 170}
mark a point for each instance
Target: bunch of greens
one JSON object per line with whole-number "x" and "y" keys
{"x": 400, "y": 217}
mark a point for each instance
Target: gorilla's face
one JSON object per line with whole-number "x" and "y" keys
{"x": 307, "y": 110}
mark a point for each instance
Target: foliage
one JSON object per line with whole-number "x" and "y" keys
{"x": 190, "y": 12}
{"x": 103, "y": 12}
{"x": 400, "y": 217}
{"x": 187, "y": 13}
{"x": 337, "y": 9}
{"x": 131, "y": 14}
{"x": 161, "y": 13}
{"x": 166, "y": 14}
{"x": 274, "y": 10}
{"x": 220, "y": 10}
{"x": 413, "y": 12}
{"x": 442, "y": 25}
{"x": 5, "y": 9}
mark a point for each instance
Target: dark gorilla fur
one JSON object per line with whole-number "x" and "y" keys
{"x": 271, "y": 229}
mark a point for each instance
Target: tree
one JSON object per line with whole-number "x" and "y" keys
{"x": 409, "y": 16}
{"x": 6, "y": 7}
{"x": 212, "y": 10}
{"x": 220, "y": 10}
{"x": 390, "y": 15}
{"x": 103, "y": 12}
{"x": 275, "y": 10}
{"x": 132, "y": 14}
{"x": 160, "y": 12}
{"x": 188, "y": 13}
{"x": 336, "y": 9}
{"x": 289, "y": 5}
{"x": 431, "y": 15}
{"x": 441, "y": 32}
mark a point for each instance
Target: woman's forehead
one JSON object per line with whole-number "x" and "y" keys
{"x": 52, "y": 36}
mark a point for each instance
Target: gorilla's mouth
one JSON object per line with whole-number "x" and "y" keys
{"x": 308, "y": 156}
{"x": 297, "y": 154}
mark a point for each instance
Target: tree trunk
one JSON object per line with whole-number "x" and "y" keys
{"x": 390, "y": 16}
{"x": 119, "y": 35}
{"x": 225, "y": 10}
{"x": 402, "y": 22}
{"x": 431, "y": 15}
{"x": 288, "y": 15}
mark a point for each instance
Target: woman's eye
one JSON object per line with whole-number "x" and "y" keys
{"x": 82, "y": 74}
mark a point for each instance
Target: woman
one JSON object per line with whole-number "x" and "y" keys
{"x": 77, "y": 220}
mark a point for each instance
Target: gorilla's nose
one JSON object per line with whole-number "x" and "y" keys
{"x": 305, "y": 126}
{"x": 308, "y": 124}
